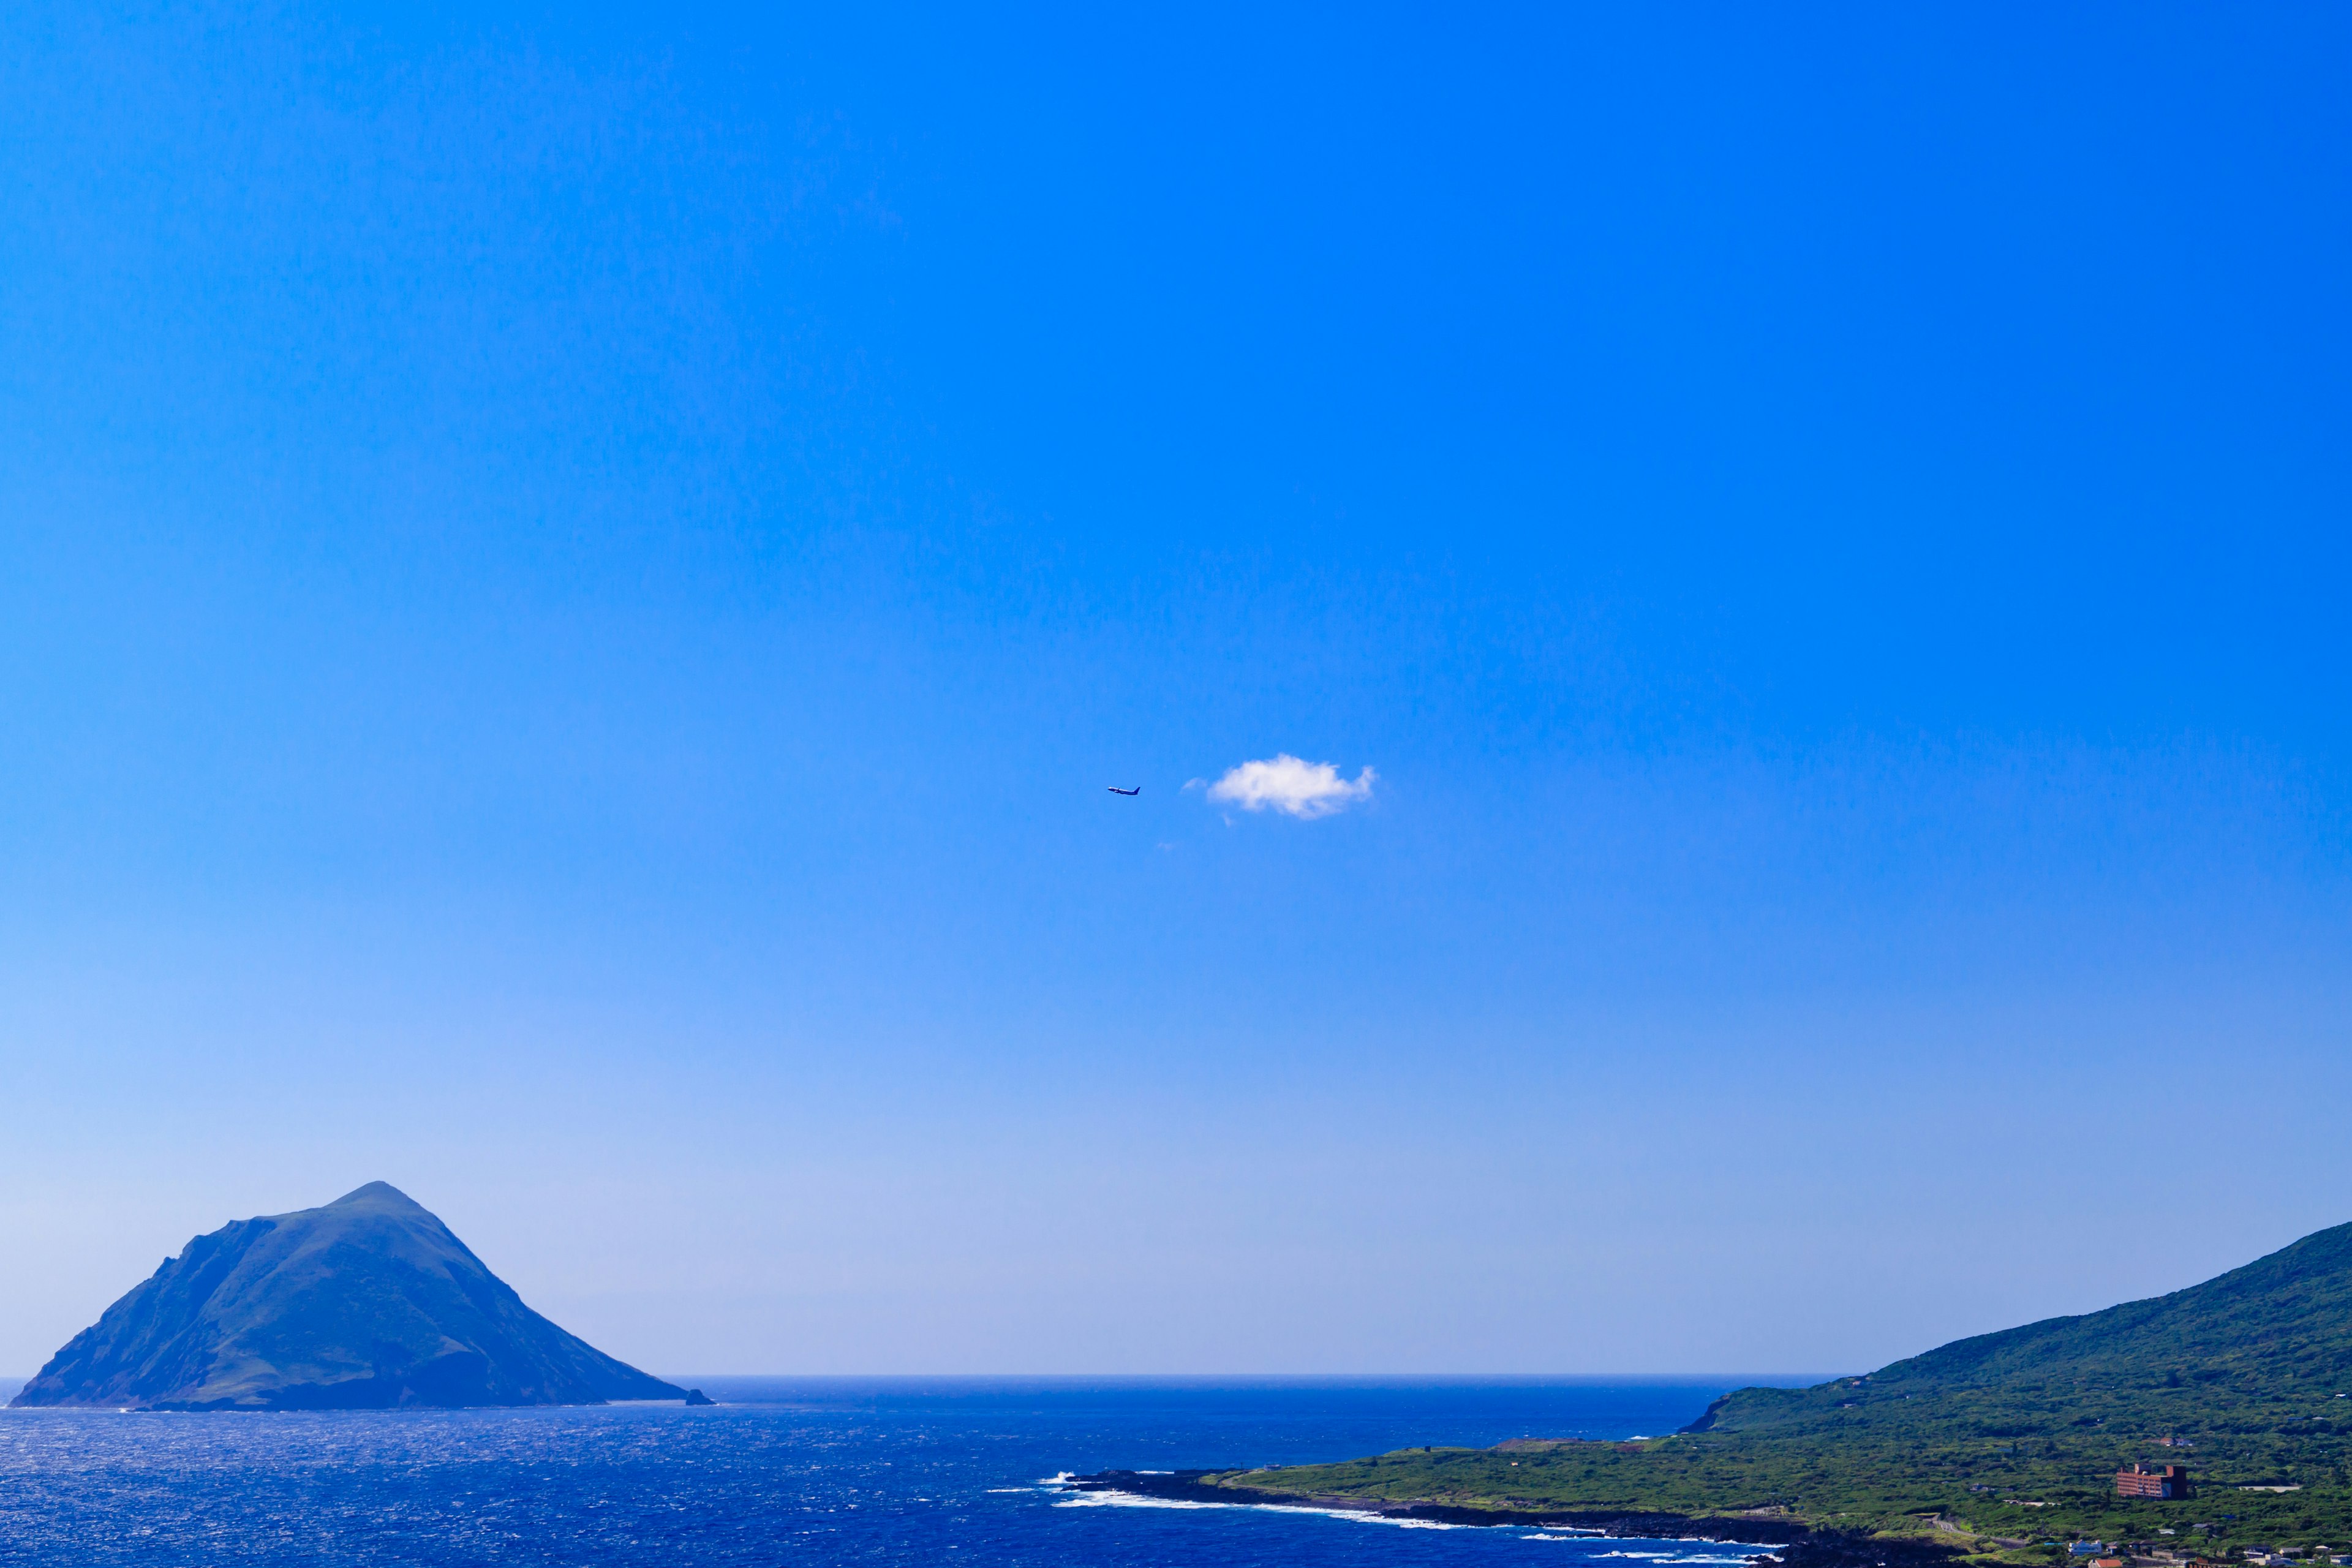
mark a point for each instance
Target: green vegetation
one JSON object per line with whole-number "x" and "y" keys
{"x": 2002, "y": 1443}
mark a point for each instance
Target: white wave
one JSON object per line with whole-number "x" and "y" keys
{"x": 1137, "y": 1500}
{"x": 1356, "y": 1516}
{"x": 1668, "y": 1559}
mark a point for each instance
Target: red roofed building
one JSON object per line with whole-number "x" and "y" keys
{"x": 2151, "y": 1481}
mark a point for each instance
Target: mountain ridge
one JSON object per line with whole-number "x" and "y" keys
{"x": 2251, "y": 1342}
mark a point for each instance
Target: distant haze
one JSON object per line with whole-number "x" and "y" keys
{"x": 1753, "y": 604}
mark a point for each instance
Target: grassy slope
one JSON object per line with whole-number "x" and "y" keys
{"x": 2247, "y": 1367}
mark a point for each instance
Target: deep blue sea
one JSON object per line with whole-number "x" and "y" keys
{"x": 913, "y": 1470}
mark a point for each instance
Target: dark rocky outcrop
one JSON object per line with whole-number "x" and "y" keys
{"x": 367, "y": 1303}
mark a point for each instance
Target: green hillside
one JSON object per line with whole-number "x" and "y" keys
{"x": 1999, "y": 1443}
{"x": 2262, "y": 1350}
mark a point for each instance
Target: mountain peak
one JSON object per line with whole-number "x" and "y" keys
{"x": 378, "y": 1192}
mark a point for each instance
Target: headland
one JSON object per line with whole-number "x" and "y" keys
{"x": 2210, "y": 1425}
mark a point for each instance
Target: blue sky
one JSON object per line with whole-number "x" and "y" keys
{"x": 570, "y": 583}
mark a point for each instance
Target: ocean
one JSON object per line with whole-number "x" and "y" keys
{"x": 799, "y": 1470}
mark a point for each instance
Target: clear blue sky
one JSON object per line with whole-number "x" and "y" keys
{"x": 570, "y": 582}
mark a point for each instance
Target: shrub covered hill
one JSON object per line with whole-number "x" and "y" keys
{"x": 366, "y": 1302}
{"x": 2002, "y": 1443}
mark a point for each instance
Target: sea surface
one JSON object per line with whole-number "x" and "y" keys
{"x": 807, "y": 1470}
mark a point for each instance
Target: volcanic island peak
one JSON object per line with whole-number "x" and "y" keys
{"x": 366, "y": 1302}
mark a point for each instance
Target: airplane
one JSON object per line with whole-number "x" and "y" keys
{"x": 1116, "y": 790}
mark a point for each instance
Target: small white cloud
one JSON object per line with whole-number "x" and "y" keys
{"x": 1288, "y": 785}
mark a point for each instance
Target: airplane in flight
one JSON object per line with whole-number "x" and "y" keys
{"x": 1116, "y": 790}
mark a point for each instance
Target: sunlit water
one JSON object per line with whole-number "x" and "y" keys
{"x": 788, "y": 1472}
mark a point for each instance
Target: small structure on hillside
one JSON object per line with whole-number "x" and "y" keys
{"x": 2166, "y": 1481}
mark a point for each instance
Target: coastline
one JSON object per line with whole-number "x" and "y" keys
{"x": 1793, "y": 1544}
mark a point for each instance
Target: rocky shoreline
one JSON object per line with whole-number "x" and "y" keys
{"x": 1793, "y": 1544}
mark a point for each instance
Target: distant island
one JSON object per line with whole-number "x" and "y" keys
{"x": 2211, "y": 1424}
{"x": 367, "y": 1303}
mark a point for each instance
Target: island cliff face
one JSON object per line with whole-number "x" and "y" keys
{"x": 367, "y": 1303}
